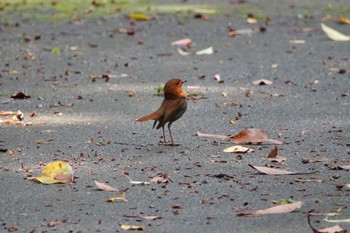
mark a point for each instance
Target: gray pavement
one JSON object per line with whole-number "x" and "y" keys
{"x": 93, "y": 129}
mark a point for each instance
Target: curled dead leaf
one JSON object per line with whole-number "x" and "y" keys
{"x": 253, "y": 135}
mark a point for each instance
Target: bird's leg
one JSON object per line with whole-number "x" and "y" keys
{"x": 171, "y": 138}
{"x": 164, "y": 140}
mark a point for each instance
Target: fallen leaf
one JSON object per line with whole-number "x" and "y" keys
{"x": 333, "y": 229}
{"x": 138, "y": 16}
{"x": 136, "y": 182}
{"x": 20, "y": 95}
{"x": 206, "y": 51}
{"x": 219, "y": 136}
{"x": 183, "y": 42}
{"x": 251, "y": 20}
{"x": 337, "y": 220}
{"x": 344, "y": 167}
{"x": 183, "y": 52}
{"x": 106, "y": 187}
{"x": 296, "y": 41}
{"x": 271, "y": 171}
{"x": 308, "y": 180}
{"x": 253, "y": 136}
{"x": 120, "y": 197}
{"x": 132, "y": 227}
{"x": 8, "y": 113}
{"x": 262, "y": 82}
{"x": 274, "y": 171}
{"x": 131, "y": 93}
{"x": 55, "y": 50}
{"x": 146, "y": 217}
{"x": 336, "y": 17}
{"x": 160, "y": 178}
{"x": 217, "y": 77}
{"x": 244, "y": 31}
{"x": 238, "y": 149}
{"x": 280, "y": 209}
{"x": 333, "y": 34}
{"x": 55, "y": 172}
{"x": 20, "y": 123}
{"x": 273, "y": 153}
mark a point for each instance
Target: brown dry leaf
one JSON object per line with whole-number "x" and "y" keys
{"x": 218, "y": 136}
{"x": 253, "y": 136}
{"x": 272, "y": 171}
{"x": 262, "y": 82}
{"x": 20, "y": 95}
{"x": 273, "y": 153}
{"x": 186, "y": 42}
{"x": 333, "y": 229}
{"x": 146, "y": 217}
{"x": 274, "y": 157}
{"x": 105, "y": 187}
{"x": 160, "y": 178}
{"x": 344, "y": 167}
{"x": 8, "y": 113}
{"x": 20, "y": 123}
{"x": 238, "y": 149}
{"x": 280, "y": 209}
{"x": 132, "y": 227}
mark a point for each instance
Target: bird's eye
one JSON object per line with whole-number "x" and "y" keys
{"x": 177, "y": 83}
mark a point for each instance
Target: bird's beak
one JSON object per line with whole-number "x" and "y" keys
{"x": 184, "y": 81}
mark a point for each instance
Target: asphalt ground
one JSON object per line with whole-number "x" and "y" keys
{"x": 89, "y": 80}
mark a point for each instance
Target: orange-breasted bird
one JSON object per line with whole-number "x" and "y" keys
{"x": 172, "y": 108}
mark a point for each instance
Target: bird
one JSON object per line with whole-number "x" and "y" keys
{"x": 172, "y": 108}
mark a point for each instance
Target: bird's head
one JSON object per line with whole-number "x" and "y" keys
{"x": 174, "y": 86}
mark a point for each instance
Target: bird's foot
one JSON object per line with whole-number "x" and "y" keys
{"x": 163, "y": 143}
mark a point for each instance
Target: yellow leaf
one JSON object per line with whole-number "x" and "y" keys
{"x": 333, "y": 34}
{"x": 120, "y": 197}
{"x": 55, "y": 172}
{"x": 138, "y": 16}
{"x": 336, "y": 17}
{"x": 252, "y": 20}
{"x": 132, "y": 227}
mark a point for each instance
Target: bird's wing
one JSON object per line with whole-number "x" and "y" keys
{"x": 174, "y": 110}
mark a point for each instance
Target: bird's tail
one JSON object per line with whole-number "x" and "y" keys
{"x": 152, "y": 116}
